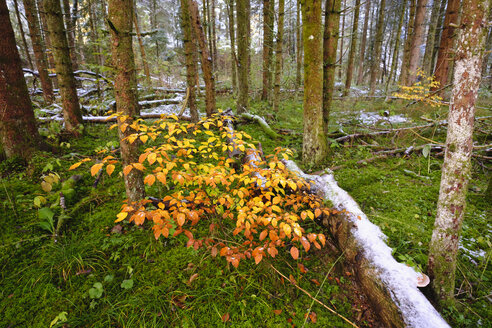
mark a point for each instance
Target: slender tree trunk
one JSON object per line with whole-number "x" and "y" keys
{"x": 243, "y": 54}
{"x": 214, "y": 37}
{"x": 268, "y": 13}
{"x": 298, "y": 44}
{"x": 46, "y": 34}
{"x": 417, "y": 40}
{"x": 437, "y": 35}
{"x": 353, "y": 49}
{"x": 362, "y": 51}
{"x": 190, "y": 50}
{"x": 120, "y": 16}
{"x": 208, "y": 34}
{"x": 18, "y": 132}
{"x": 142, "y": 50}
{"x": 408, "y": 44}
{"x": 232, "y": 36}
{"x": 206, "y": 60}
{"x": 63, "y": 66}
{"x": 70, "y": 32}
{"x": 330, "y": 42}
{"x": 39, "y": 50}
{"x": 394, "y": 60}
{"x": 278, "y": 54}
{"x": 459, "y": 145}
{"x": 431, "y": 34}
{"x": 23, "y": 36}
{"x": 378, "y": 44}
{"x": 340, "y": 61}
{"x": 446, "y": 45}
{"x": 314, "y": 143}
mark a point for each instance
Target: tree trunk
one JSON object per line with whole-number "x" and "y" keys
{"x": 314, "y": 145}
{"x": 394, "y": 60}
{"x": 330, "y": 42}
{"x": 408, "y": 41}
{"x": 243, "y": 54}
{"x": 298, "y": 44}
{"x": 459, "y": 145}
{"x": 46, "y": 35}
{"x": 63, "y": 66}
{"x": 446, "y": 45}
{"x": 278, "y": 54}
{"x": 353, "y": 48}
{"x": 206, "y": 60}
{"x": 417, "y": 39}
{"x": 23, "y": 35}
{"x": 362, "y": 51}
{"x": 431, "y": 34}
{"x": 340, "y": 61}
{"x": 378, "y": 45}
{"x": 39, "y": 50}
{"x": 120, "y": 14}
{"x": 18, "y": 132}
{"x": 214, "y": 37}
{"x": 142, "y": 50}
{"x": 70, "y": 32}
{"x": 268, "y": 13}
{"x": 232, "y": 36}
{"x": 190, "y": 50}
{"x": 437, "y": 35}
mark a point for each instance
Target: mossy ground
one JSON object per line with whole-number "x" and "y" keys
{"x": 40, "y": 278}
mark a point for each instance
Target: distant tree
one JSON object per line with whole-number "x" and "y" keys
{"x": 408, "y": 43}
{"x": 63, "y": 66}
{"x": 394, "y": 60}
{"x": 278, "y": 54}
{"x": 417, "y": 40}
{"x": 39, "y": 50}
{"x": 70, "y": 21}
{"x": 353, "y": 48}
{"x": 243, "y": 27}
{"x": 23, "y": 35}
{"x": 378, "y": 45}
{"x": 298, "y": 44}
{"x": 120, "y": 18}
{"x": 431, "y": 38}
{"x": 268, "y": 22}
{"x": 232, "y": 38}
{"x": 459, "y": 146}
{"x": 362, "y": 51}
{"x": 18, "y": 132}
{"x": 143, "y": 55}
{"x": 314, "y": 146}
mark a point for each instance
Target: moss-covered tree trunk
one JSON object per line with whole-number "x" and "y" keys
{"x": 378, "y": 47}
{"x": 314, "y": 143}
{"x": 142, "y": 50}
{"x": 417, "y": 40}
{"x": 23, "y": 35}
{"x": 63, "y": 66}
{"x": 278, "y": 54}
{"x": 330, "y": 42}
{"x": 190, "y": 51}
{"x": 353, "y": 48}
{"x": 39, "y": 50}
{"x": 232, "y": 38}
{"x": 362, "y": 51}
{"x": 243, "y": 54}
{"x": 406, "y": 47}
{"x": 451, "y": 205}
{"x": 120, "y": 16}
{"x": 437, "y": 34}
{"x": 206, "y": 60}
{"x": 445, "y": 54}
{"x": 18, "y": 132}
{"x": 268, "y": 13}
{"x": 431, "y": 34}
{"x": 214, "y": 37}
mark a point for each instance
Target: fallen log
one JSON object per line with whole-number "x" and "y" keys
{"x": 104, "y": 119}
{"x": 391, "y": 287}
{"x": 264, "y": 125}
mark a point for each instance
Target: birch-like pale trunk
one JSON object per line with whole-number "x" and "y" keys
{"x": 459, "y": 145}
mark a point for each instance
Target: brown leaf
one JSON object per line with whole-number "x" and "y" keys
{"x": 292, "y": 280}
{"x": 225, "y": 317}
{"x": 313, "y": 317}
{"x": 277, "y": 312}
{"x": 316, "y": 282}
{"x": 193, "y": 277}
{"x": 294, "y": 252}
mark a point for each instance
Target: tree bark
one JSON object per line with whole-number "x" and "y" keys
{"x": 330, "y": 42}
{"x": 378, "y": 45}
{"x": 437, "y": 35}
{"x": 340, "y": 61}
{"x": 70, "y": 32}
{"x": 394, "y": 60}
{"x": 278, "y": 54}
{"x": 190, "y": 51}
{"x": 243, "y": 54}
{"x": 445, "y": 54}
{"x": 268, "y": 21}
{"x": 431, "y": 34}
{"x": 362, "y": 51}
{"x": 407, "y": 46}
{"x": 39, "y": 50}
{"x": 232, "y": 37}
{"x": 206, "y": 60}
{"x": 314, "y": 146}
{"x": 63, "y": 66}
{"x": 443, "y": 247}
{"x": 353, "y": 48}
{"x": 142, "y": 50}
{"x": 298, "y": 44}
{"x": 18, "y": 132}
{"x": 417, "y": 39}
{"x": 120, "y": 16}
{"x": 23, "y": 35}
{"x": 214, "y": 37}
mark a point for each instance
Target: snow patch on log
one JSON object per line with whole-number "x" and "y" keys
{"x": 400, "y": 279}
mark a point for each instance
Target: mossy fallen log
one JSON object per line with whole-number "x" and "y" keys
{"x": 264, "y": 125}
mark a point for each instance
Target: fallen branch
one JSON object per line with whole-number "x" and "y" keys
{"x": 264, "y": 125}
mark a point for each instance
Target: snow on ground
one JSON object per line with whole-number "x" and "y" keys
{"x": 401, "y": 279}
{"x": 373, "y": 117}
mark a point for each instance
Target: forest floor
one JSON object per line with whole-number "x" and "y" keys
{"x": 100, "y": 274}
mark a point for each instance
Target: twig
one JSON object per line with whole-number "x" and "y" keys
{"x": 314, "y": 299}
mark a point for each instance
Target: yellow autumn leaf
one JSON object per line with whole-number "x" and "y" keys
{"x": 110, "y": 169}
{"x": 46, "y": 186}
{"x": 95, "y": 168}
{"x": 149, "y": 179}
{"x": 138, "y": 166}
{"x": 74, "y": 166}
{"x": 121, "y": 216}
{"x": 152, "y": 158}
{"x": 287, "y": 229}
{"x": 144, "y": 138}
{"x": 127, "y": 169}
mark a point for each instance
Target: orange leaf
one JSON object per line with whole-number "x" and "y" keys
{"x": 317, "y": 212}
{"x": 161, "y": 177}
{"x": 214, "y": 251}
{"x": 316, "y": 282}
{"x": 74, "y": 166}
{"x": 180, "y": 219}
{"x": 277, "y": 312}
{"x": 322, "y": 239}
{"x": 95, "y": 168}
{"x": 294, "y": 252}
{"x": 139, "y": 218}
{"x": 149, "y": 179}
{"x": 152, "y": 158}
{"x": 235, "y": 262}
{"x": 138, "y": 166}
{"x": 110, "y": 169}
{"x": 305, "y": 243}
{"x": 225, "y": 317}
{"x": 127, "y": 169}
{"x": 142, "y": 157}
{"x": 263, "y": 234}
{"x": 292, "y": 280}
{"x": 258, "y": 258}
